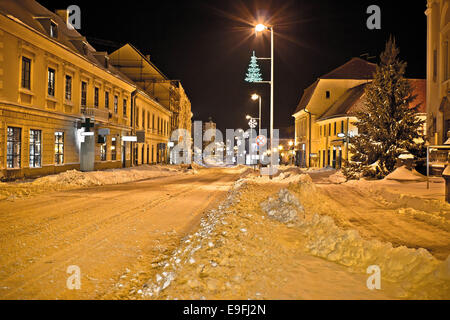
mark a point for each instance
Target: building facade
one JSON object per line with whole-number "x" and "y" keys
{"x": 169, "y": 93}
{"x": 324, "y": 124}
{"x": 152, "y": 127}
{"x": 315, "y": 102}
{"x": 438, "y": 71}
{"x": 58, "y": 97}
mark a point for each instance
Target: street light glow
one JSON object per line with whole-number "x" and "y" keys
{"x": 255, "y": 96}
{"x": 260, "y": 27}
{"x": 248, "y": 117}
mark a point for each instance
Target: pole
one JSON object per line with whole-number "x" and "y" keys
{"x": 259, "y": 115}
{"x": 271, "y": 97}
{"x": 428, "y": 167}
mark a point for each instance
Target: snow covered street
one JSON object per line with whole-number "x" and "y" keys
{"x": 226, "y": 233}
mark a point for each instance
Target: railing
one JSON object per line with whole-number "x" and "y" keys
{"x": 97, "y": 114}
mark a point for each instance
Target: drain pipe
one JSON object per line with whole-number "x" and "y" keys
{"x": 309, "y": 142}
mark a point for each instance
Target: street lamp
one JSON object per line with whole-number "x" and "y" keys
{"x": 260, "y": 28}
{"x": 254, "y": 98}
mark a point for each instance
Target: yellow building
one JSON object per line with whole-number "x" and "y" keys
{"x": 152, "y": 124}
{"x": 167, "y": 93}
{"x": 316, "y": 100}
{"x": 329, "y": 108}
{"x": 54, "y": 86}
{"x": 438, "y": 71}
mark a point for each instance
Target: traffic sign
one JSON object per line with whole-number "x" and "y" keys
{"x": 261, "y": 140}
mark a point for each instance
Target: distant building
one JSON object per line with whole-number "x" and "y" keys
{"x": 166, "y": 92}
{"x": 438, "y": 71}
{"x": 326, "y": 114}
{"x": 210, "y": 125}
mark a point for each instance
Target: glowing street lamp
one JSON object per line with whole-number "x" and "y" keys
{"x": 260, "y": 27}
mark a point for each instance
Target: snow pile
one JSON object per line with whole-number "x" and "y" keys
{"x": 337, "y": 177}
{"x": 418, "y": 272}
{"x": 403, "y": 174}
{"x": 191, "y": 244}
{"x": 434, "y": 219}
{"x": 72, "y": 179}
{"x": 283, "y": 208}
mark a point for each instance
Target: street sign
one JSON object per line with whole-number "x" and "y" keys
{"x": 261, "y": 140}
{"x": 252, "y": 123}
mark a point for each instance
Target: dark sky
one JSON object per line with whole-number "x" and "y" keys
{"x": 207, "y": 45}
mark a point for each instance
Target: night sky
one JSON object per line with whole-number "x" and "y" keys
{"x": 207, "y": 45}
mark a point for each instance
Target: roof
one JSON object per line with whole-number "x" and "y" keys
{"x": 353, "y": 100}
{"x": 306, "y": 97}
{"x": 27, "y": 12}
{"x": 348, "y": 103}
{"x": 355, "y": 69}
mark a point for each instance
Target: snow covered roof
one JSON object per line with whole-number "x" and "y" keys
{"x": 32, "y": 14}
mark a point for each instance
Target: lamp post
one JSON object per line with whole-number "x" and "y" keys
{"x": 254, "y": 98}
{"x": 261, "y": 28}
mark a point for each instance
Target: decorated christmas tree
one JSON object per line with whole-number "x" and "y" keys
{"x": 387, "y": 126}
{"x": 254, "y": 73}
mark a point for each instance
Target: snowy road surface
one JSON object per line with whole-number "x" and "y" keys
{"x": 103, "y": 230}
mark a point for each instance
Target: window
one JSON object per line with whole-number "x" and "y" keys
{"x": 35, "y": 148}
{"x": 148, "y": 120}
{"x": 51, "y": 82}
{"x": 113, "y": 148}
{"x": 26, "y": 73}
{"x": 96, "y": 97}
{"x": 327, "y": 94}
{"x": 53, "y": 30}
{"x": 143, "y": 119}
{"x": 153, "y": 121}
{"x": 125, "y": 108}
{"x": 14, "y": 147}
{"x": 342, "y": 126}
{"x": 320, "y": 130}
{"x": 329, "y": 129}
{"x": 83, "y": 93}
{"x": 68, "y": 88}
{"x": 106, "y": 99}
{"x": 335, "y": 128}
{"x": 59, "y": 147}
{"x": 116, "y": 104}
{"x": 103, "y": 151}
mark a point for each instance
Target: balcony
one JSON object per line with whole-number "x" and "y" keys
{"x": 97, "y": 114}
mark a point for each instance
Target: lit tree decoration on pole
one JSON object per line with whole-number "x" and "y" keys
{"x": 254, "y": 74}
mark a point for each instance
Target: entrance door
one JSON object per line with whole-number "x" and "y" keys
{"x": 334, "y": 158}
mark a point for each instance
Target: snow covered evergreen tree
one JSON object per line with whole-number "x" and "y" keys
{"x": 254, "y": 73}
{"x": 388, "y": 125}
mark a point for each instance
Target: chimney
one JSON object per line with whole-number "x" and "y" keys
{"x": 147, "y": 56}
{"x": 63, "y": 13}
{"x": 102, "y": 57}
